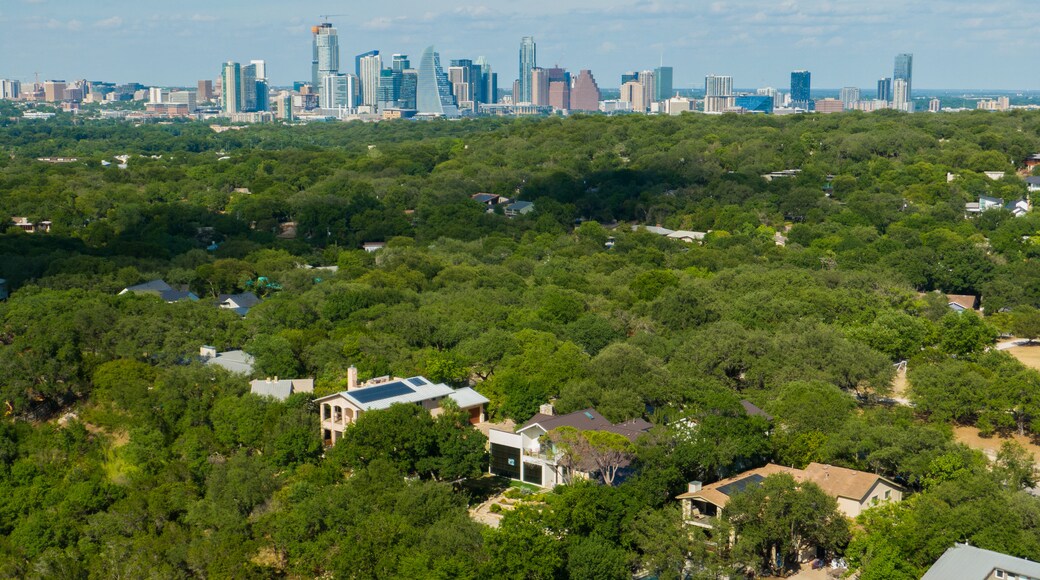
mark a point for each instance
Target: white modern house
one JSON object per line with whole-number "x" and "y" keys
{"x": 342, "y": 409}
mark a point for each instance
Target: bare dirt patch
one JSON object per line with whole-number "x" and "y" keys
{"x": 1028, "y": 354}
{"x": 991, "y": 445}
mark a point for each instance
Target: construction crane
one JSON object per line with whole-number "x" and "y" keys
{"x": 326, "y": 17}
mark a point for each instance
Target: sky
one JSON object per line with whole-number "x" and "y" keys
{"x": 956, "y": 43}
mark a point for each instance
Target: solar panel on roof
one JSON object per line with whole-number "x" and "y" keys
{"x": 380, "y": 392}
{"x": 741, "y": 484}
{"x": 589, "y": 415}
{"x": 416, "y": 381}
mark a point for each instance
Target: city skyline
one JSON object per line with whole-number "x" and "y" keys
{"x": 842, "y": 45}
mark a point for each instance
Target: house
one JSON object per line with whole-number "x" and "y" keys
{"x": 994, "y": 175}
{"x": 523, "y": 455}
{"x": 964, "y": 562}
{"x": 488, "y": 199}
{"x": 239, "y": 303}
{"x": 161, "y": 289}
{"x": 1032, "y": 161}
{"x": 280, "y": 389}
{"x": 342, "y": 409}
{"x": 781, "y": 174}
{"x": 1033, "y": 183}
{"x": 962, "y": 302}
{"x": 235, "y": 361}
{"x": 687, "y": 236}
{"x": 854, "y": 490}
{"x": 373, "y": 246}
{"x": 29, "y": 227}
{"x": 753, "y": 411}
{"x": 1019, "y": 207}
{"x": 519, "y": 208}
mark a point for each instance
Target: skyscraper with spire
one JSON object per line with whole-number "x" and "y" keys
{"x": 528, "y": 61}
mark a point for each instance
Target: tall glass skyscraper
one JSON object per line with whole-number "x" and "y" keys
{"x": 325, "y": 60}
{"x": 433, "y": 93}
{"x": 489, "y": 80}
{"x": 231, "y": 87}
{"x": 884, "y": 89}
{"x": 369, "y": 65}
{"x": 662, "y": 83}
{"x": 904, "y": 70}
{"x": 801, "y": 81}
{"x": 528, "y": 61}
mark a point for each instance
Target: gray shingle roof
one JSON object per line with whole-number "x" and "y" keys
{"x": 236, "y": 361}
{"x": 964, "y": 562}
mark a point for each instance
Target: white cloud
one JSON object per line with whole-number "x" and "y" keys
{"x": 113, "y": 22}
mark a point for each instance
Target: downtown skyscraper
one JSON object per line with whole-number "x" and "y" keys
{"x": 528, "y": 61}
{"x": 325, "y": 53}
{"x": 433, "y": 94}
{"x": 801, "y": 85}
{"x": 903, "y": 71}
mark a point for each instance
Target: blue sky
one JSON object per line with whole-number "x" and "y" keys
{"x": 957, "y": 44}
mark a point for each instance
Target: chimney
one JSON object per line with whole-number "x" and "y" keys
{"x": 207, "y": 352}
{"x": 352, "y": 378}
{"x": 546, "y": 409}
{"x": 694, "y": 486}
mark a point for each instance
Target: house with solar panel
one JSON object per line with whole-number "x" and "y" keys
{"x": 340, "y": 410}
{"x": 525, "y": 455}
{"x": 854, "y": 490}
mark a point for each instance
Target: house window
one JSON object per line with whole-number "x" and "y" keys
{"x": 873, "y": 499}
{"x": 328, "y": 411}
{"x": 888, "y": 494}
{"x": 999, "y": 573}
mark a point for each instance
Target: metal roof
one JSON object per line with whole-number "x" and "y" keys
{"x": 964, "y": 562}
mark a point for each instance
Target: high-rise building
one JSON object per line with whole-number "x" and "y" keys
{"x": 904, "y": 70}
{"x": 663, "y": 83}
{"x": 829, "y": 106}
{"x": 777, "y": 96}
{"x": 488, "y": 81}
{"x": 155, "y": 95}
{"x": 231, "y": 88}
{"x": 467, "y": 83}
{"x": 884, "y": 89}
{"x": 849, "y": 97}
{"x": 634, "y": 93}
{"x": 205, "y": 91}
{"x": 409, "y": 86}
{"x": 718, "y": 93}
{"x": 248, "y": 87}
{"x": 53, "y": 91}
{"x": 647, "y": 79}
{"x": 368, "y": 66}
{"x": 585, "y": 93}
{"x": 539, "y": 87}
{"x": 325, "y": 58}
{"x": 10, "y": 89}
{"x": 800, "y": 89}
{"x": 629, "y": 77}
{"x": 339, "y": 91}
{"x": 262, "y": 92}
{"x": 754, "y": 103}
{"x": 186, "y": 98}
{"x": 433, "y": 93}
{"x": 400, "y": 63}
{"x": 934, "y": 105}
{"x": 389, "y": 87}
{"x": 901, "y": 96}
{"x": 559, "y": 88}
{"x": 283, "y": 106}
{"x": 528, "y": 61}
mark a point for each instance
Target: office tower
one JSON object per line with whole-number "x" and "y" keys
{"x": 325, "y": 58}
{"x": 205, "y": 91}
{"x": 934, "y": 105}
{"x": 368, "y": 66}
{"x": 528, "y": 61}
{"x": 231, "y": 87}
{"x": 718, "y": 93}
{"x": 433, "y": 93}
{"x": 400, "y": 63}
{"x": 585, "y": 93}
{"x": 466, "y": 82}
{"x": 155, "y": 95}
{"x": 10, "y": 89}
{"x": 755, "y": 103}
{"x": 248, "y": 89}
{"x": 904, "y": 70}
{"x": 646, "y": 78}
{"x": 539, "y": 87}
{"x": 776, "y": 95}
{"x": 262, "y": 93}
{"x": 488, "y": 81}
{"x": 513, "y": 97}
{"x": 409, "y": 85}
{"x": 53, "y": 91}
{"x": 828, "y": 106}
{"x": 884, "y": 89}
{"x": 629, "y": 77}
{"x": 559, "y": 88}
{"x": 662, "y": 83}
{"x": 389, "y": 85}
{"x": 634, "y": 93}
{"x": 338, "y": 91}
{"x": 800, "y": 89}
{"x": 678, "y": 105}
{"x": 849, "y": 97}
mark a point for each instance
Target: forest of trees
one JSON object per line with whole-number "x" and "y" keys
{"x": 122, "y": 456}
